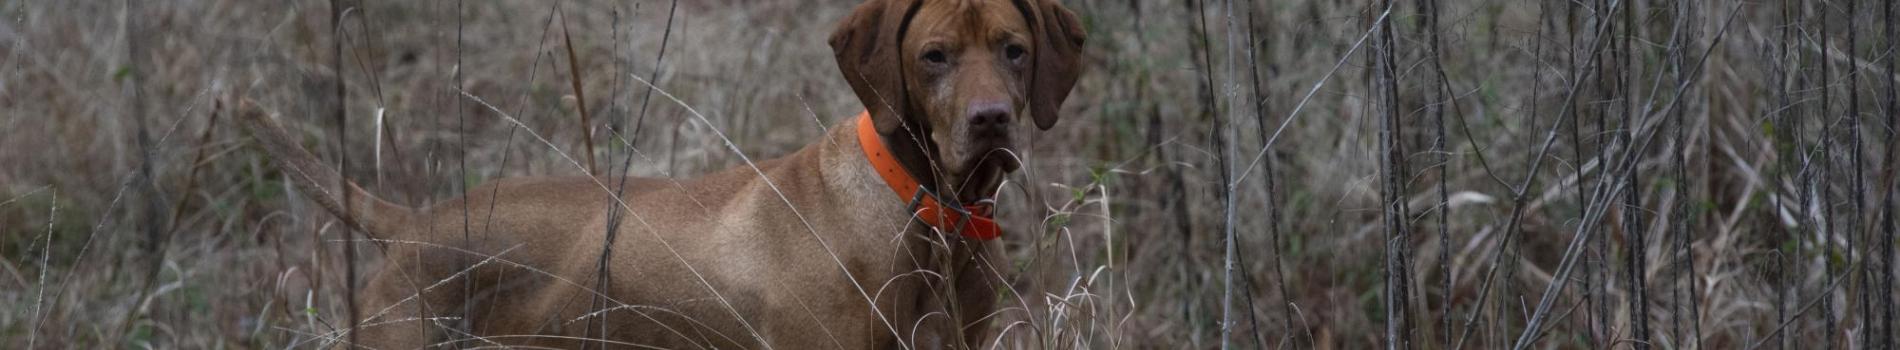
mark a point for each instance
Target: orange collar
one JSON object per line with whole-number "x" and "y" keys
{"x": 975, "y": 217}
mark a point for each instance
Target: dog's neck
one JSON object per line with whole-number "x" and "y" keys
{"x": 848, "y": 167}
{"x": 911, "y": 146}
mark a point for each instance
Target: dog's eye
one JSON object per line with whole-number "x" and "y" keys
{"x": 935, "y": 56}
{"x": 1014, "y": 52}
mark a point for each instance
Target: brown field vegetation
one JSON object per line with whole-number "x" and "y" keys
{"x": 1277, "y": 173}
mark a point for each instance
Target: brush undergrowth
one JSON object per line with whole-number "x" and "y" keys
{"x": 1694, "y": 175}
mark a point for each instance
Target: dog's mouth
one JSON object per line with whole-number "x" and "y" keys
{"x": 995, "y": 152}
{"x": 980, "y": 167}
{"x": 984, "y": 151}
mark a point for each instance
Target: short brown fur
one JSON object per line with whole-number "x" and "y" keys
{"x": 816, "y": 253}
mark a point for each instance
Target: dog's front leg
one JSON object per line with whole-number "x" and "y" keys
{"x": 956, "y": 315}
{"x": 976, "y": 286}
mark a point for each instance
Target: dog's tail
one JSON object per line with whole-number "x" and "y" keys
{"x": 366, "y": 212}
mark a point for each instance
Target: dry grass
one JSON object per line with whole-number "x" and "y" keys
{"x": 1713, "y": 161}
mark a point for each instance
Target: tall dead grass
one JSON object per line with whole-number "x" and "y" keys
{"x": 1423, "y": 174}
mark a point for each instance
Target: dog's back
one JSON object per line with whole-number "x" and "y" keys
{"x": 462, "y": 257}
{"x": 521, "y": 257}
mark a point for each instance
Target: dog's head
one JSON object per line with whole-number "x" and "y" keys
{"x": 953, "y": 75}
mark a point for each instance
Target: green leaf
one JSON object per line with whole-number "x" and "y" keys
{"x": 122, "y": 73}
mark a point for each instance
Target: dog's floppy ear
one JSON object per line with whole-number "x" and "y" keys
{"x": 1058, "y": 39}
{"x": 867, "y": 45}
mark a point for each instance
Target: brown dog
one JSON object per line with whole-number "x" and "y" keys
{"x": 822, "y": 248}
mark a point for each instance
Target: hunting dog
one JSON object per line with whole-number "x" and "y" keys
{"x": 875, "y": 236}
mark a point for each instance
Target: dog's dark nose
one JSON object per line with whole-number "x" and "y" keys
{"x": 989, "y": 115}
